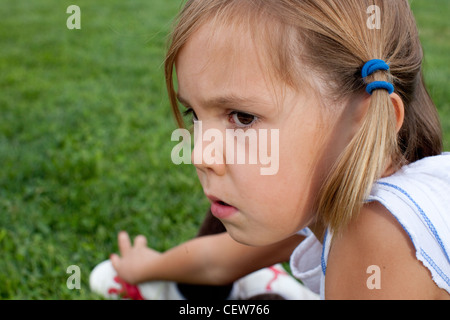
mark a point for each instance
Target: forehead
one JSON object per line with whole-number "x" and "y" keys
{"x": 221, "y": 60}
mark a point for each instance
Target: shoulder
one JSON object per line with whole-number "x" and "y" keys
{"x": 374, "y": 258}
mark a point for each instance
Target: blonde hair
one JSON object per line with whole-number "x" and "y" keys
{"x": 332, "y": 39}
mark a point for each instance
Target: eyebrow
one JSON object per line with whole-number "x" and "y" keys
{"x": 227, "y": 102}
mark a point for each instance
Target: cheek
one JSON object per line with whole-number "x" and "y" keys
{"x": 289, "y": 192}
{"x": 295, "y": 178}
{"x": 274, "y": 200}
{"x": 300, "y": 173}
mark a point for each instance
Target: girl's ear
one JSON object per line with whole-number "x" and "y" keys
{"x": 361, "y": 109}
{"x": 399, "y": 110}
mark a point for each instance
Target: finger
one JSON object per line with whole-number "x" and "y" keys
{"x": 140, "y": 241}
{"x": 124, "y": 242}
{"x": 115, "y": 261}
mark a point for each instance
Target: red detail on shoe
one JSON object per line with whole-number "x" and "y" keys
{"x": 275, "y": 277}
{"x": 127, "y": 291}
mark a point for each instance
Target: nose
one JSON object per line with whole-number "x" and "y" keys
{"x": 208, "y": 153}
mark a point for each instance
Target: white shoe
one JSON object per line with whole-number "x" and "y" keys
{"x": 272, "y": 280}
{"x": 103, "y": 280}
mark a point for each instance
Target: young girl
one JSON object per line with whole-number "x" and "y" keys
{"x": 361, "y": 171}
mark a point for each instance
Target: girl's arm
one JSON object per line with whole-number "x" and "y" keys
{"x": 208, "y": 260}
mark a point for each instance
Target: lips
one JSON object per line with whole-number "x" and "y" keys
{"x": 220, "y": 209}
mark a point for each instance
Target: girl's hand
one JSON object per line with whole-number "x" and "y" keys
{"x": 133, "y": 264}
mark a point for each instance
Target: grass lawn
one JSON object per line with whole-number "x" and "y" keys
{"x": 85, "y": 131}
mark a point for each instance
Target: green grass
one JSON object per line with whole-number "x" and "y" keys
{"x": 434, "y": 25}
{"x": 85, "y": 136}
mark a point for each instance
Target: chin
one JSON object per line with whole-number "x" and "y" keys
{"x": 249, "y": 238}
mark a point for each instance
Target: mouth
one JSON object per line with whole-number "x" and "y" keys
{"x": 221, "y": 209}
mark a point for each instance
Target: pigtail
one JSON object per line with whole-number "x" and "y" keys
{"x": 362, "y": 162}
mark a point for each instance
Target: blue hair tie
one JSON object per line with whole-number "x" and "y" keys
{"x": 371, "y": 67}
{"x": 380, "y": 85}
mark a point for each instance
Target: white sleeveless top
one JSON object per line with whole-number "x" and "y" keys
{"x": 418, "y": 196}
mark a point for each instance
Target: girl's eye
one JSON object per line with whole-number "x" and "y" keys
{"x": 242, "y": 119}
{"x": 190, "y": 112}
